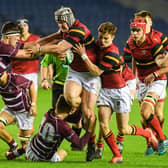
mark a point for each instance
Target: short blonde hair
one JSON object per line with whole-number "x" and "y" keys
{"x": 107, "y": 27}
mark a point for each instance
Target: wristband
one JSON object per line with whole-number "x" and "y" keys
{"x": 39, "y": 49}
{"x": 84, "y": 56}
{"x": 155, "y": 74}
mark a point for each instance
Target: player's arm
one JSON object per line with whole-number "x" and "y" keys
{"x": 48, "y": 39}
{"x": 94, "y": 69}
{"x": 44, "y": 78}
{"x": 81, "y": 142}
{"x": 33, "y": 98}
{"x": 45, "y": 64}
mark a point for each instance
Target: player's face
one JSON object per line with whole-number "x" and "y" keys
{"x": 137, "y": 34}
{"x": 24, "y": 28}
{"x": 12, "y": 40}
{"x": 105, "y": 39}
{"x": 63, "y": 26}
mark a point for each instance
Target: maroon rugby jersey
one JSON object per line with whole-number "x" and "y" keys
{"x": 51, "y": 133}
{"x": 111, "y": 63}
{"x": 6, "y": 53}
{"x": 15, "y": 93}
{"x": 79, "y": 33}
{"x": 145, "y": 55}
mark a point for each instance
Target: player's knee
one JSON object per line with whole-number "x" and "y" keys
{"x": 3, "y": 122}
{"x": 24, "y": 139}
{"x": 73, "y": 101}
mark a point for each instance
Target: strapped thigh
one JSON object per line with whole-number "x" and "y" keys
{"x": 150, "y": 100}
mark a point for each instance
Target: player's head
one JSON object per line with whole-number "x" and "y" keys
{"x": 106, "y": 33}
{"x": 147, "y": 16}
{"x": 65, "y": 15}
{"x": 62, "y": 106}
{"x": 10, "y": 33}
{"x": 24, "y": 25}
{"x": 138, "y": 28}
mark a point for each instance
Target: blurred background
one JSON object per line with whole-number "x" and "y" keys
{"x": 40, "y": 14}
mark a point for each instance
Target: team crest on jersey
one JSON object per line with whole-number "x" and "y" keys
{"x": 143, "y": 52}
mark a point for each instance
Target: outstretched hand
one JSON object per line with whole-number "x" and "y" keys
{"x": 79, "y": 49}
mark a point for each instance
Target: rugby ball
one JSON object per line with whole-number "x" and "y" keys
{"x": 69, "y": 56}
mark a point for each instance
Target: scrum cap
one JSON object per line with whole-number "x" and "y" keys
{"x": 22, "y": 21}
{"x": 138, "y": 23}
{"x": 65, "y": 14}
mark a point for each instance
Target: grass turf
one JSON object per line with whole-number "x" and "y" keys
{"x": 134, "y": 146}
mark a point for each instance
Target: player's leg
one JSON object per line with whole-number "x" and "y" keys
{"x": 100, "y": 143}
{"x": 105, "y": 113}
{"x": 62, "y": 154}
{"x": 147, "y": 112}
{"x": 7, "y": 119}
{"x": 87, "y": 107}
{"x": 125, "y": 129}
{"x": 72, "y": 93}
{"x": 25, "y": 125}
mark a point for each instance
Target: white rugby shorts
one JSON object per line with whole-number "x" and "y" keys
{"x": 119, "y": 100}
{"x": 86, "y": 80}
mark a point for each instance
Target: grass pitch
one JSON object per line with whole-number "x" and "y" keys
{"x": 134, "y": 146}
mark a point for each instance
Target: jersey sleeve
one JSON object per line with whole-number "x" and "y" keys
{"x": 110, "y": 61}
{"x": 71, "y": 136}
{"x": 47, "y": 60}
{"x": 75, "y": 35}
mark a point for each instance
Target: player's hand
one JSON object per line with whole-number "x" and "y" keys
{"x": 79, "y": 49}
{"x": 33, "y": 110}
{"x": 162, "y": 60}
{"x": 149, "y": 79}
{"x": 45, "y": 84}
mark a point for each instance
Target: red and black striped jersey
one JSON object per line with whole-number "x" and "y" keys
{"x": 111, "y": 63}
{"x": 144, "y": 55}
{"x": 160, "y": 36}
{"x": 79, "y": 33}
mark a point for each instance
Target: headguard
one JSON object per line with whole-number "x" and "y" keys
{"x": 22, "y": 21}
{"x": 65, "y": 14}
{"x": 139, "y": 23}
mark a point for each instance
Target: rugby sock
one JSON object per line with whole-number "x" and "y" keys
{"x": 154, "y": 123}
{"x": 92, "y": 139}
{"x": 110, "y": 140}
{"x": 100, "y": 144}
{"x": 19, "y": 152}
{"x": 13, "y": 144}
{"x": 144, "y": 126}
{"x": 139, "y": 131}
{"x": 162, "y": 123}
{"x": 120, "y": 137}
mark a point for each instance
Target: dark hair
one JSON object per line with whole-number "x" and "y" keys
{"x": 9, "y": 27}
{"x": 62, "y": 106}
